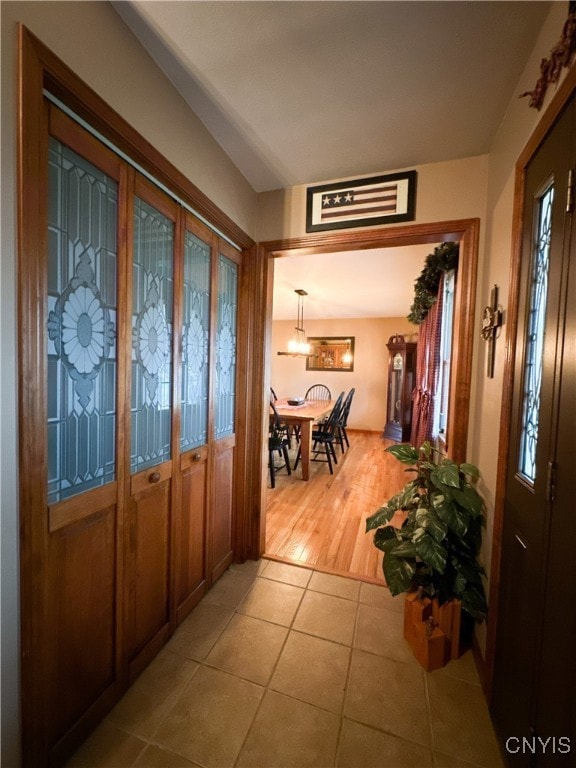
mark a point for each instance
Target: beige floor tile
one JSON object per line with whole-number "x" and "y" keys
{"x": 364, "y": 747}
{"x": 272, "y": 601}
{"x": 249, "y": 648}
{"x": 107, "y": 747}
{"x": 339, "y": 586}
{"x": 154, "y": 757}
{"x": 326, "y": 616}
{"x": 210, "y": 720}
{"x": 389, "y": 695}
{"x": 202, "y": 703}
{"x": 145, "y": 704}
{"x": 230, "y": 589}
{"x": 313, "y": 670}
{"x": 463, "y": 668}
{"x": 449, "y": 761}
{"x": 197, "y": 634}
{"x": 460, "y": 721}
{"x": 381, "y": 631}
{"x": 250, "y": 567}
{"x": 290, "y": 734}
{"x": 380, "y": 597}
{"x": 288, "y": 574}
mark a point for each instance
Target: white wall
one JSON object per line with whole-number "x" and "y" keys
{"x": 370, "y": 375}
{"x": 91, "y": 39}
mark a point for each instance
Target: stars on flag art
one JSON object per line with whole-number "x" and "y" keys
{"x": 361, "y": 202}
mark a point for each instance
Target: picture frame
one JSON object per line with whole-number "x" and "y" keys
{"x": 330, "y": 353}
{"x": 362, "y": 202}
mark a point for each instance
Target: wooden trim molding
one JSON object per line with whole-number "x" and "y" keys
{"x": 464, "y": 231}
{"x": 561, "y": 98}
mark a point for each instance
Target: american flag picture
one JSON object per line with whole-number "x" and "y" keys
{"x": 363, "y": 202}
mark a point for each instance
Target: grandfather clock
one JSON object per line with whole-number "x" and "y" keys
{"x": 401, "y": 380}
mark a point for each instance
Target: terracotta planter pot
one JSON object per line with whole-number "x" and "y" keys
{"x": 436, "y": 633}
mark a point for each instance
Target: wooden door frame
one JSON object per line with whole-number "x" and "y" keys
{"x": 464, "y": 231}
{"x": 566, "y": 90}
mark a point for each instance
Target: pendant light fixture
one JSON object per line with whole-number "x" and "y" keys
{"x": 298, "y": 345}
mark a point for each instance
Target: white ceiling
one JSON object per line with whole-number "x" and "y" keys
{"x": 367, "y": 283}
{"x": 305, "y": 92}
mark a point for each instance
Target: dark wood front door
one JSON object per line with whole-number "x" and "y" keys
{"x": 535, "y": 671}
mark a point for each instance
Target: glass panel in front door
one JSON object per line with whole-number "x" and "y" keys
{"x": 534, "y": 344}
{"x": 226, "y": 347}
{"x": 152, "y": 293}
{"x": 82, "y": 307}
{"x": 195, "y": 329}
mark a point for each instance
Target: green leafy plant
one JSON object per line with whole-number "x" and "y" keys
{"x": 443, "y": 259}
{"x": 436, "y": 546}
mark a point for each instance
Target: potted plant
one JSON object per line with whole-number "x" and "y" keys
{"x": 430, "y": 533}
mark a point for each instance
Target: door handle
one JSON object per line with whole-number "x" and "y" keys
{"x": 197, "y": 457}
{"x": 154, "y": 477}
{"x": 519, "y": 540}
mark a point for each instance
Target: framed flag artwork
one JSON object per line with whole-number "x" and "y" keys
{"x": 361, "y": 202}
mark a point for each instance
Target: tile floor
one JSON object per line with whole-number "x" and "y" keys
{"x": 284, "y": 667}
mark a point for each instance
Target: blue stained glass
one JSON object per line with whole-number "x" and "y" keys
{"x": 226, "y": 347}
{"x": 195, "y": 329}
{"x": 81, "y": 328}
{"x": 152, "y": 292}
{"x": 535, "y": 338}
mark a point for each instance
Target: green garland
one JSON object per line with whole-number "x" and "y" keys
{"x": 443, "y": 259}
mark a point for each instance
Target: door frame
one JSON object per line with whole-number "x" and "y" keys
{"x": 565, "y": 91}
{"x": 466, "y": 233}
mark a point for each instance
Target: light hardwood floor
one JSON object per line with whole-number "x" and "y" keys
{"x": 321, "y": 522}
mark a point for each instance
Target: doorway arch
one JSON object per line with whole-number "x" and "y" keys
{"x": 463, "y": 231}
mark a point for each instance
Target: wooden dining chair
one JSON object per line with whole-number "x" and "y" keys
{"x": 318, "y": 392}
{"x": 324, "y": 436}
{"x": 341, "y": 434}
{"x": 278, "y": 443}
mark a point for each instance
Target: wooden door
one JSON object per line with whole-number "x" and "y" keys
{"x": 534, "y": 672}
{"x": 152, "y": 233}
{"x": 195, "y": 288}
{"x": 71, "y": 581}
{"x": 225, "y": 328}
{"x": 129, "y": 437}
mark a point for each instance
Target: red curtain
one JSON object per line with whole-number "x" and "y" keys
{"x": 427, "y": 373}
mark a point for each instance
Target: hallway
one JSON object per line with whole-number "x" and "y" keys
{"x": 281, "y": 665}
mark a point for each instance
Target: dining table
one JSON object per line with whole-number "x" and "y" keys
{"x": 303, "y": 416}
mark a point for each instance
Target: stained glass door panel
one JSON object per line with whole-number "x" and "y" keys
{"x": 152, "y": 300}
{"x": 81, "y": 328}
{"x": 226, "y": 347}
{"x": 195, "y": 331}
{"x": 535, "y": 333}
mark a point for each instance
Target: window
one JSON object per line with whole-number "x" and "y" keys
{"x": 443, "y": 398}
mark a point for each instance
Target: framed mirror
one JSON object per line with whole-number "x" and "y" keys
{"x": 330, "y": 353}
